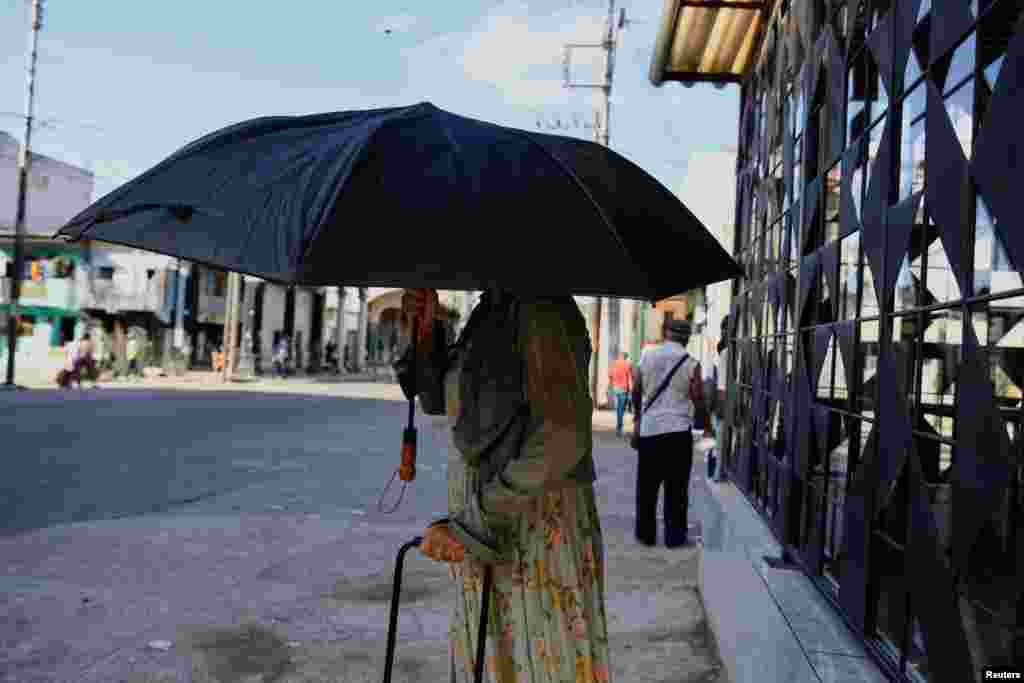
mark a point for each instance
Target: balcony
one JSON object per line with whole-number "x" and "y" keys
{"x": 125, "y": 291}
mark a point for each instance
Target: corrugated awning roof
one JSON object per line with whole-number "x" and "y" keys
{"x": 711, "y": 41}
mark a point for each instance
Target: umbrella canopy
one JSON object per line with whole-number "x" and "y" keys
{"x": 413, "y": 197}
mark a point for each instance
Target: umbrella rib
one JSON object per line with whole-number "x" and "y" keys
{"x": 360, "y": 159}
{"x": 181, "y": 211}
{"x": 583, "y": 188}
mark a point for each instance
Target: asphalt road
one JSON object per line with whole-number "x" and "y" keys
{"x": 113, "y": 453}
{"x": 233, "y": 536}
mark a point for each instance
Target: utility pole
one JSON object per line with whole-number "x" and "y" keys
{"x": 603, "y": 136}
{"x": 24, "y": 164}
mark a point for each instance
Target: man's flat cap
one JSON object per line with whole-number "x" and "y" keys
{"x": 678, "y": 327}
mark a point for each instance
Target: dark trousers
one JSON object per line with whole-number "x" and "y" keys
{"x": 663, "y": 459}
{"x": 620, "y": 409}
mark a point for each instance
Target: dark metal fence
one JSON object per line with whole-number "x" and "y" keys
{"x": 879, "y": 342}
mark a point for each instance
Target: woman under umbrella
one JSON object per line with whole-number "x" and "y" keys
{"x": 520, "y": 484}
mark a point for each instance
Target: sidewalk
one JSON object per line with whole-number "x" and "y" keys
{"x": 290, "y": 597}
{"x": 367, "y": 385}
{"x": 43, "y": 378}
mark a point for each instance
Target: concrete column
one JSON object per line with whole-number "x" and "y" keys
{"x": 606, "y": 345}
{"x": 627, "y": 329}
{"x": 178, "y": 342}
{"x": 339, "y": 327}
{"x": 229, "y": 346}
{"x": 339, "y": 323}
{"x": 364, "y": 319}
{"x": 246, "y": 361}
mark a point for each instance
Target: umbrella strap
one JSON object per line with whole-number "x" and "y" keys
{"x": 401, "y": 495}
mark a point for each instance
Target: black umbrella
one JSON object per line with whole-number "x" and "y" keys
{"x": 413, "y": 197}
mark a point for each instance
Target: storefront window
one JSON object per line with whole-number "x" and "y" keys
{"x": 876, "y": 84}
{"x": 993, "y": 272}
{"x": 942, "y": 353}
{"x": 961, "y": 68}
{"x": 912, "y": 170}
{"x": 867, "y": 357}
{"x": 869, "y": 297}
{"x": 940, "y": 279}
{"x": 833, "y": 197}
{"x": 849, "y": 276}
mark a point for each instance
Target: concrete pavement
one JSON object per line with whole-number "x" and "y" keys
{"x": 293, "y": 593}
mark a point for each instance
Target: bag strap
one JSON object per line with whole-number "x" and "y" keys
{"x": 664, "y": 383}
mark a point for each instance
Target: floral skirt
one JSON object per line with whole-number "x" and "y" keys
{"x": 546, "y": 617}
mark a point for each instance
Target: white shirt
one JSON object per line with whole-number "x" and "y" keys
{"x": 723, "y": 365}
{"x": 673, "y": 411}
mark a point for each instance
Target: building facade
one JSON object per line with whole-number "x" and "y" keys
{"x": 50, "y": 304}
{"x": 126, "y": 292}
{"x": 270, "y": 312}
{"x": 876, "y": 394}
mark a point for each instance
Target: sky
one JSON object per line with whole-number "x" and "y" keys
{"x": 121, "y": 85}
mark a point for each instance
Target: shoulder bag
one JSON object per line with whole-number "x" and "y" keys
{"x": 634, "y": 440}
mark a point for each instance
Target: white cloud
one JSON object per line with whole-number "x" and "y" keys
{"x": 517, "y": 52}
{"x": 709, "y": 188}
{"x": 114, "y": 169}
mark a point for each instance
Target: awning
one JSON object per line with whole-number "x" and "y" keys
{"x": 710, "y": 41}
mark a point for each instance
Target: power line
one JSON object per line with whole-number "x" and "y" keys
{"x": 57, "y": 123}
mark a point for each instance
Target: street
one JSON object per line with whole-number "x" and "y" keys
{"x": 82, "y": 456}
{"x": 232, "y": 534}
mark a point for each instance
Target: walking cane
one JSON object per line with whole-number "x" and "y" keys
{"x": 393, "y": 626}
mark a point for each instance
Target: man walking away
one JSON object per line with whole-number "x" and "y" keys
{"x": 620, "y": 377}
{"x": 669, "y": 384}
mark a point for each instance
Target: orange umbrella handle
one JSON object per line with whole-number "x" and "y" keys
{"x": 407, "y": 469}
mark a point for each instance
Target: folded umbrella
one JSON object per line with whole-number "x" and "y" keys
{"x": 413, "y": 197}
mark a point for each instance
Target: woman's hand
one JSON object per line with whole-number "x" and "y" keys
{"x": 421, "y": 304}
{"x": 439, "y": 543}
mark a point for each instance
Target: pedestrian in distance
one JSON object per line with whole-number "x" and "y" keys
{"x": 80, "y": 364}
{"x": 718, "y": 401}
{"x": 85, "y": 362}
{"x": 331, "y": 358}
{"x": 620, "y": 379}
{"x": 520, "y": 484}
{"x": 65, "y": 376}
{"x": 132, "y": 351}
{"x": 667, "y": 390}
{"x": 281, "y": 352}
